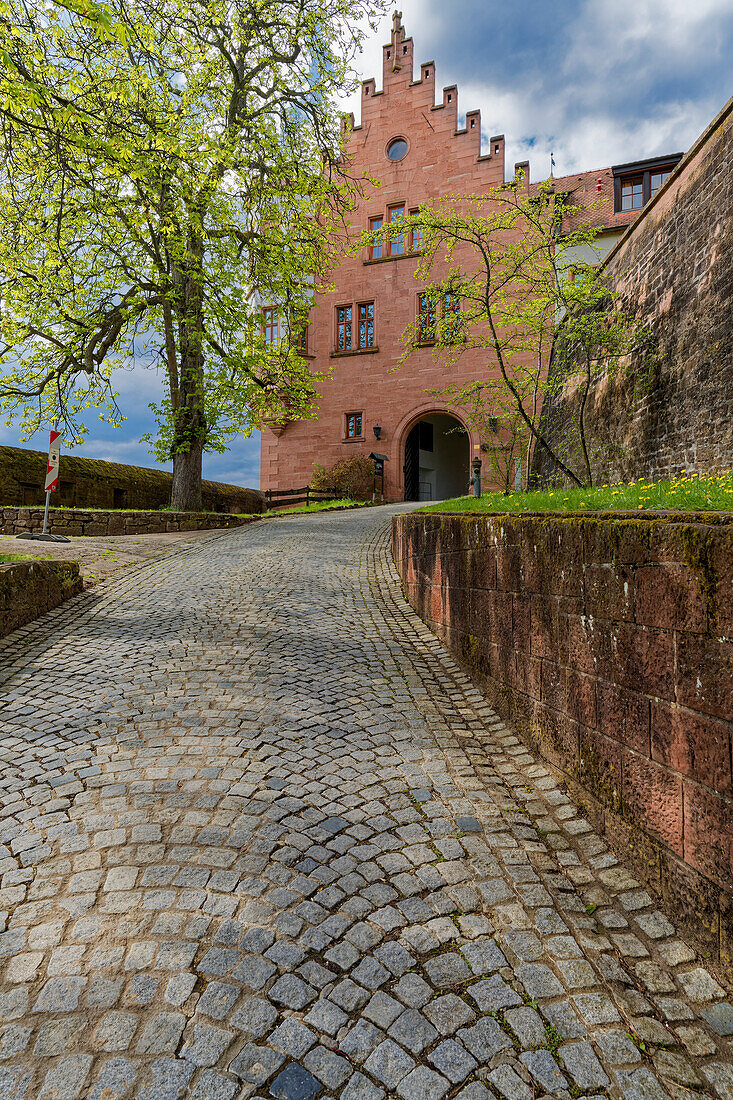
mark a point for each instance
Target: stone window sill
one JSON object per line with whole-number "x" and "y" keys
{"x": 354, "y": 439}
{"x": 386, "y": 259}
{"x": 353, "y": 351}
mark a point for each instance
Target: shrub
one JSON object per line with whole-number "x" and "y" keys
{"x": 351, "y": 477}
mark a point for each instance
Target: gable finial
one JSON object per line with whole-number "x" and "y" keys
{"x": 396, "y": 23}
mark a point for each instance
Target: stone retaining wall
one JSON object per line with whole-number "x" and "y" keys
{"x": 74, "y": 521}
{"x": 673, "y": 269}
{"x": 31, "y": 588}
{"x": 608, "y": 641}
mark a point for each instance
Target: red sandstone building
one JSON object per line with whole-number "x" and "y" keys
{"x": 369, "y": 402}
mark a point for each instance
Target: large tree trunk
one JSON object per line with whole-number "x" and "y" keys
{"x": 186, "y": 488}
{"x": 189, "y": 420}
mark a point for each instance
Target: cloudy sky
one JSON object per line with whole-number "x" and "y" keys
{"x": 596, "y": 82}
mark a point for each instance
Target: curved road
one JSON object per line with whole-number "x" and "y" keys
{"x": 262, "y": 838}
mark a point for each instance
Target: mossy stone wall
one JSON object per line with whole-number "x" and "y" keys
{"x": 31, "y": 588}
{"x": 78, "y": 521}
{"x": 92, "y": 483}
{"x": 607, "y": 640}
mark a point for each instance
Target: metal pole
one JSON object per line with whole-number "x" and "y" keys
{"x": 45, "y": 512}
{"x": 476, "y": 479}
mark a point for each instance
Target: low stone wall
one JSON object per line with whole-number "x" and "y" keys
{"x": 31, "y": 588}
{"x": 74, "y": 521}
{"x": 608, "y": 642}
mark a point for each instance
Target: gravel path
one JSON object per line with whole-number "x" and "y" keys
{"x": 262, "y": 838}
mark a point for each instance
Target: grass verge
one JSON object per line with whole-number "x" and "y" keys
{"x": 320, "y": 506}
{"x": 689, "y": 493}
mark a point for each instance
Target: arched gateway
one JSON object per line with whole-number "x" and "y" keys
{"x": 436, "y": 458}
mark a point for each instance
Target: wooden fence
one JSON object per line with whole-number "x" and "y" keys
{"x": 282, "y": 498}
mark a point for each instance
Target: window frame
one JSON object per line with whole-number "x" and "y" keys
{"x": 376, "y": 248}
{"x": 636, "y": 183}
{"x": 358, "y": 421}
{"x": 664, "y": 174}
{"x": 422, "y": 329}
{"x": 270, "y": 322}
{"x": 347, "y": 325}
{"x": 368, "y": 321}
{"x": 416, "y": 234}
{"x": 398, "y": 237}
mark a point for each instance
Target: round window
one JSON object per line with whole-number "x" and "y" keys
{"x": 397, "y": 149}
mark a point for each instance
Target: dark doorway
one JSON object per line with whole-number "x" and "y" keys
{"x": 437, "y": 459}
{"x": 412, "y": 464}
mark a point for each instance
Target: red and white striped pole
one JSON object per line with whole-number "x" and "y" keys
{"x": 50, "y": 485}
{"x": 52, "y": 472}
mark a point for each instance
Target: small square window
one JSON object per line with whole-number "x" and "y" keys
{"x": 353, "y": 425}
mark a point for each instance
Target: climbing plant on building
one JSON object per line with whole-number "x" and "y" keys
{"x": 528, "y": 300}
{"x": 161, "y": 160}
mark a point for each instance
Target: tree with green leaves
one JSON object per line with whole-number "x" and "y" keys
{"x": 169, "y": 167}
{"x": 504, "y": 280}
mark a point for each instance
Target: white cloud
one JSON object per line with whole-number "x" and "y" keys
{"x": 623, "y": 80}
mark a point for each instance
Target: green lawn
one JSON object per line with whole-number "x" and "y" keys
{"x": 683, "y": 493}
{"x": 320, "y": 506}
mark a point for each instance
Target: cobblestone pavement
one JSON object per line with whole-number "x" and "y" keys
{"x": 100, "y": 556}
{"x": 262, "y": 838}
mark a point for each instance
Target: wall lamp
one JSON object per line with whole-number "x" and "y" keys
{"x": 377, "y": 429}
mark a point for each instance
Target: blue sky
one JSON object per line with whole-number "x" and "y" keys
{"x": 596, "y": 82}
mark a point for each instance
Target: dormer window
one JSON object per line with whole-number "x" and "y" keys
{"x": 634, "y": 184}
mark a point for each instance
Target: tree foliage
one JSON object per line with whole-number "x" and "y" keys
{"x": 162, "y": 158}
{"x": 528, "y": 302}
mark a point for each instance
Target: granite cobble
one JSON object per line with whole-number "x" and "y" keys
{"x": 261, "y": 837}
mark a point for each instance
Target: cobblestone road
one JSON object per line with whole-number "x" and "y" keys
{"x": 262, "y": 838}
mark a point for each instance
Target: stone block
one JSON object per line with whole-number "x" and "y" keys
{"x": 644, "y": 655}
{"x": 694, "y": 744}
{"x": 652, "y": 798}
{"x": 624, "y": 715}
{"x": 709, "y": 833}
{"x": 704, "y": 679}
{"x": 609, "y": 591}
{"x": 670, "y": 596}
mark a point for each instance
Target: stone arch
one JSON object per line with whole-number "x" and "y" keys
{"x": 432, "y": 463}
